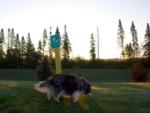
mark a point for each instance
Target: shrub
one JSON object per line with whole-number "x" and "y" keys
{"x": 139, "y": 73}
{"x": 44, "y": 70}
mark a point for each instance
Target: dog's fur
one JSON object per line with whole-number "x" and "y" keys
{"x": 60, "y": 84}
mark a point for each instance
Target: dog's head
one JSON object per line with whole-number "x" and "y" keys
{"x": 41, "y": 86}
{"x": 86, "y": 86}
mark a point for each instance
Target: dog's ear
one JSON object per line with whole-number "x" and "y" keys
{"x": 85, "y": 81}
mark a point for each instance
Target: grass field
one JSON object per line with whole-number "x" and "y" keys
{"x": 20, "y": 97}
{"x": 113, "y": 91}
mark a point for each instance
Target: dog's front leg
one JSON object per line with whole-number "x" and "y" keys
{"x": 61, "y": 93}
{"x": 75, "y": 96}
{"x": 49, "y": 94}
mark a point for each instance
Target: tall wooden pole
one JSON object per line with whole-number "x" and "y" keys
{"x": 57, "y": 61}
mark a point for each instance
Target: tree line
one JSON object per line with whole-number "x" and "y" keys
{"x": 16, "y": 51}
{"x": 133, "y": 49}
{"x": 20, "y": 52}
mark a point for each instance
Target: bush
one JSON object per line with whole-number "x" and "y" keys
{"x": 139, "y": 74}
{"x": 44, "y": 70}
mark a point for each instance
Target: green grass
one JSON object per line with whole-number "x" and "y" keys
{"x": 20, "y": 97}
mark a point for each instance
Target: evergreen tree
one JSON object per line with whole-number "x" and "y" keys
{"x": 57, "y": 32}
{"x": 147, "y": 42}
{"x": 66, "y": 46}
{"x": 1, "y": 46}
{"x": 2, "y": 37}
{"x": 23, "y": 50}
{"x": 8, "y": 39}
{"x": 50, "y": 49}
{"x": 121, "y": 38}
{"x": 11, "y": 58}
{"x": 44, "y": 40}
{"x": 44, "y": 70}
{"x": 17, "y": 51}
{"x": 30, "y": 58}
{"x": 135, "y": 44}
{"x": 39, "y": 51}
{"x": 17, "y": 42}
{"x": 12, "y": 38}
{"x": 39, "y": 46}
{"x": 8, "y": 49}
{"x": 92, "y": 48}
{"x": 129, "y": 51}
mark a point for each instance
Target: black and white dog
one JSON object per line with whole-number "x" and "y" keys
{"x": 61, "y": 84}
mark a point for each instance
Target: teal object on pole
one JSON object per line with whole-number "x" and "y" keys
{"x": 55, "y": 41}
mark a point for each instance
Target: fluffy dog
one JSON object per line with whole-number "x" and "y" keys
{"x": 61, "y": 84}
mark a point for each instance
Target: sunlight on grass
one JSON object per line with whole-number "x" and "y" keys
{"x": 141, "y": 84}
{"x": 8, "y": 84}
{"x": 101, "y": 89}
{"x": 20, "y": 97}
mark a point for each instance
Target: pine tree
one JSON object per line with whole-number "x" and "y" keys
{"x": 1, "y": 46}
{"x": 39, "y": 51}
{"x": 30, "y": 58}
{"x": 92, "y": 48}
{"x": 12, "y": 38}
{"x": 135, "y": 44}
{"x": 17, "y": 51}
{"x": 2, "y": 37}
{"x": 8, "y": 52}
{"x": 11, "y": 58}
{"x": 17, "y": 42}
{"x": 8, "y": 39}
{"x": 50, "y": 49}
{"x": 66, "y": 46}
{"x": 147, "y": 42}
{"x": 57, "y": 32}
{"x": 23, "y": 50}
{"x": 44, "y": 41}
{"x": 129, "y": 51}
{"x": 44, "y": 70}
{"x": 121, "y": 38}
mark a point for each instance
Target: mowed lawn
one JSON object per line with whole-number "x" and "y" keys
{"x": 20, "y": 97}
{"x": 113, "y": 91}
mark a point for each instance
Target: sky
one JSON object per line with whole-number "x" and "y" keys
{"x": 82, "y": 17}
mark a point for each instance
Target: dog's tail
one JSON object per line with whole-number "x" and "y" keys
{"x": 41, "y": 87}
